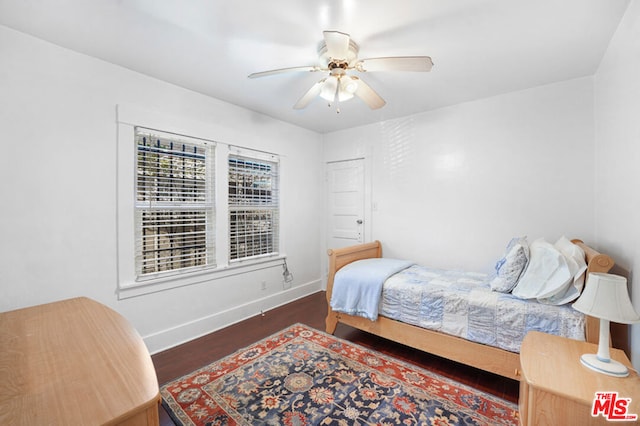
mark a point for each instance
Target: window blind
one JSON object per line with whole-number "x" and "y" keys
{"x": 174, "y": 203}
{"x": 253, "y": 206}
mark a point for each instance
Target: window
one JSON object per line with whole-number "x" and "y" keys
{"x": 174, "y": 207}
{"x": 253, "y": 206}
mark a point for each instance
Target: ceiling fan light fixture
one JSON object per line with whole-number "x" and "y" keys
{"x": 348, "y": 84}
{"x": 329, "y": 87}
{"x": 344, "y": 96}
{"x": 344, "y": 86}
{"x": 348, "y": 88}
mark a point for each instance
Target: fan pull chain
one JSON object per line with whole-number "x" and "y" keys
{"x": 336, "y": 96}
{"x": 337, "y": 108}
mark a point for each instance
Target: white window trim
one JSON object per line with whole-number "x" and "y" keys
{"x": 129, "y": 117}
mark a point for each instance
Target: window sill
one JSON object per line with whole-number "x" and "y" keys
{"x": 154, "y": 285}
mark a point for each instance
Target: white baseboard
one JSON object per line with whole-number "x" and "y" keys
{"x": 165, "y": 339}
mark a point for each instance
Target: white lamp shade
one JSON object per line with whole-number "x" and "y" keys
{"x": 344, "y": 85}
{"x": 343, "y": 95}
{"x": 329, "y": 87}
{"x": 348, "y": 87}
{"x": 605, "y": 296}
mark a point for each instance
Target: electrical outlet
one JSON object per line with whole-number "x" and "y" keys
{"x": 263, "y": 285}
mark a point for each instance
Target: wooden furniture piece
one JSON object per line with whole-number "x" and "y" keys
{"x": 74, "y": 362}
{"x": 477, "y": 355}
{"x": 556, "y": 389}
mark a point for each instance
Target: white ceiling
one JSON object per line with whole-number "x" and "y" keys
{"x": 480, "y": 48}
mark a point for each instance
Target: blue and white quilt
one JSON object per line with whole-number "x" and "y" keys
{"x": 462, "y": 304}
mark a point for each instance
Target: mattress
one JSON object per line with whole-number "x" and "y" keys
{"x": 462, "y": 304}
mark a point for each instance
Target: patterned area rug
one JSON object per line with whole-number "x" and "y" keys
{"x": 301, "y": 376}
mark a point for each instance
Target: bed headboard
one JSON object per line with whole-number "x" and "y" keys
{"x": 596, "y": 262}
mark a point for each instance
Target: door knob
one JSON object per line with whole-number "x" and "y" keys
{"x": 359, "y": 221}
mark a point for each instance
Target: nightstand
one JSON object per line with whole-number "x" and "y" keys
{"x": 556, "y": 389}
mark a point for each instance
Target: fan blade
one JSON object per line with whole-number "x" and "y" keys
{"x": 310, "y": 95}
{"x": 337, "y": 44}
{"x": 368, "y": 95}
{"x": 398, "y": 63}
{"x": 310, "y": 68}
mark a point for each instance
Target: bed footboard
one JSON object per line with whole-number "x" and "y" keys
{"x": 337, "y": 259}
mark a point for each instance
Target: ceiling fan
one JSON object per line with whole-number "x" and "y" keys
{"x": 339, "y": 54}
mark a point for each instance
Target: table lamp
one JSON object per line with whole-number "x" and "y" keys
{"x": 605, "y": 296}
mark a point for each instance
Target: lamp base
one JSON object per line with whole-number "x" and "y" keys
{"x": 611, "y": 368}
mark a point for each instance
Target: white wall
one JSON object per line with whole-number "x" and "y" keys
{"x": 450, "y": 187}
{"x": 617, "y": 100}
{"x": 58, "y": 189}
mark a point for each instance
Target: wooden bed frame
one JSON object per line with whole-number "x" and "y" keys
{"x": 495, "y": 360}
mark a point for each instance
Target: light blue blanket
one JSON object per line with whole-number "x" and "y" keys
{"x": 357, "y": 287}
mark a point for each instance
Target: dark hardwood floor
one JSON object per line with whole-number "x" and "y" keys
{"x": 311, "y": 310}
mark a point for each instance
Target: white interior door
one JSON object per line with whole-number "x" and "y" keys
{"x": 345, "y": 201}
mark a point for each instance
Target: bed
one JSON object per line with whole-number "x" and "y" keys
{"x": 479, "y": 355}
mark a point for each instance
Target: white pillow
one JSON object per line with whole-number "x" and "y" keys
{"x": 576, "y": 254}
{"x": 510, "y": 267}
{"x": 575, "y": 258}
{"x": 546, "y": 274}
